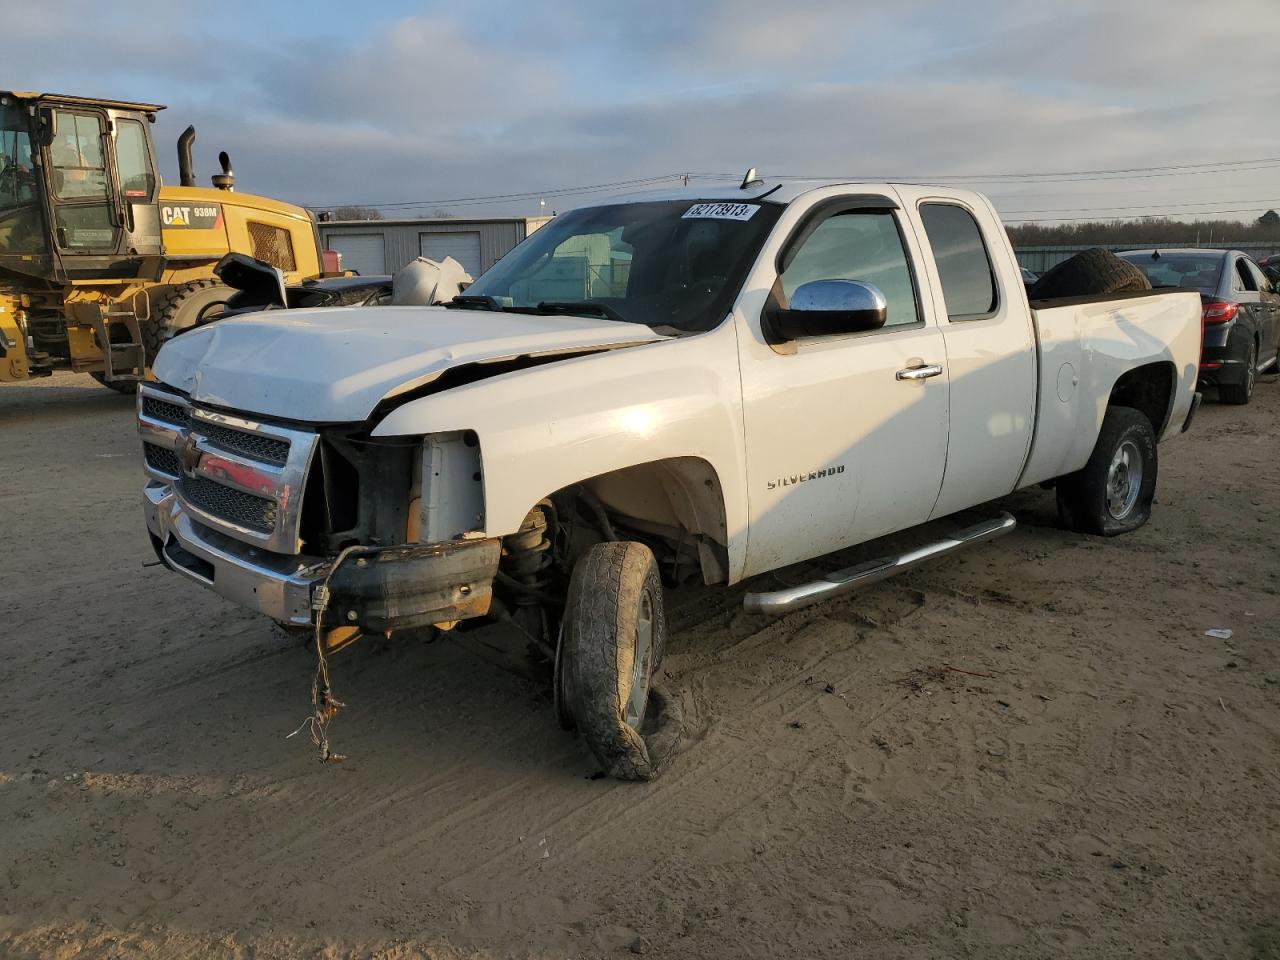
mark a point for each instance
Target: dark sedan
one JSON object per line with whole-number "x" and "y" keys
{"x": 1241, "y": 312}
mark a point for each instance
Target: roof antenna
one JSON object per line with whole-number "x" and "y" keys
{"x": 752, "y": 179}
{"x": 1155, "y": 254}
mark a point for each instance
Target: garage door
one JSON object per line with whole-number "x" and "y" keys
{"x": 463, "y": 247}
{"x": 364, "y": 253}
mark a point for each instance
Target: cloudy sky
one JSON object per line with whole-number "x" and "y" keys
{"x": 425, "y": 102}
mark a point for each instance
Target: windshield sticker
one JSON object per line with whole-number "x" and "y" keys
{"x": 721, "y": 211}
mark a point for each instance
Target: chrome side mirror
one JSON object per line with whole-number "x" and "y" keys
{"x": 825, "y": 307}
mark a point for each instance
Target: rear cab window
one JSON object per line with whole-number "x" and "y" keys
{"x": 964, "y": 265}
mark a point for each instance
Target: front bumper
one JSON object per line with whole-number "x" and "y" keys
{"x": 375, "y": 589}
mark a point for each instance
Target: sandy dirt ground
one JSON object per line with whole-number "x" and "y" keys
{"x": 1030, "y": 750}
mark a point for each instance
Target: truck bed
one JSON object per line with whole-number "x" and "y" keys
{"x": 1084, "y": 346}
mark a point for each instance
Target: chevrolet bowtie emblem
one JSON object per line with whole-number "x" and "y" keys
{"x": 189, "y": 456}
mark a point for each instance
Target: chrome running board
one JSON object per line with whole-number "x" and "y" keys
{"x": 873, "y": 571}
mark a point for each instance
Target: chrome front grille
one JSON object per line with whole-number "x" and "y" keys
{"x": 163, "y": 410}
{"x": 241, "y": 477}
{"x": 236, "y": 506}
{"x": 161, "y": 459}
{"x": 254, "y": 445}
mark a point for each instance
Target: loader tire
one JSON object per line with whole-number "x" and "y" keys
{"x": 614, "y": 634}
{"x": 127, "y": 387}
{"x": 1093, "y": 272}
{"x": 179, "y": 309}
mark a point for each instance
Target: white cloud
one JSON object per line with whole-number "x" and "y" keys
{"x": 500, "y": 97}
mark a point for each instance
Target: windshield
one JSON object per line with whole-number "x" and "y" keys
{"x": 675, "y": 264}
{"x": 1189, "y": 271}
{"x": 20, "y": 219}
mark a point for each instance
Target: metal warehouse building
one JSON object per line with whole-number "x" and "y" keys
{"x": 384, "y": 246}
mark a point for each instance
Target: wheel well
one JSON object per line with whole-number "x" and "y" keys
{"x": 676, "y": 506}
{"x": 1149, "y": 390}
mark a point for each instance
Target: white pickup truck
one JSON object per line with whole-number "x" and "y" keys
{"x": 671, "y": 387}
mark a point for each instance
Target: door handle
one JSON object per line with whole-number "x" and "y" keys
{"x": 920, "y": 373}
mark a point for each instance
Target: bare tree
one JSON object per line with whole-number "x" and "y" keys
{"x": 1264, "y": 229}
{"x": 354, "y": 213}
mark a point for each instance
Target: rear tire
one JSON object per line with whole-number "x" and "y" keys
{"x": 1113, "y": 492}
{"x": 180, "y": 308}
{"x": 1241, "y": 393}
{"x": 614, "y": 634}
{"x": 1093, "y": 272}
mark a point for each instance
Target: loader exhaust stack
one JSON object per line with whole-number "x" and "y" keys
{"x": 186, "y": 172}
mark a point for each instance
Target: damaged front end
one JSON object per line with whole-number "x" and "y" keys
{"x": 305, "y": 524}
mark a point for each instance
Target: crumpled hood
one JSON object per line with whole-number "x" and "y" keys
{"x": 334, "y": 364}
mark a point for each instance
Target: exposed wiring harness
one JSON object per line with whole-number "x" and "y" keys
{"x": 324, "y": 705}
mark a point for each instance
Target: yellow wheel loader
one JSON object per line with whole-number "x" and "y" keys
{"x": 99, "y": 262}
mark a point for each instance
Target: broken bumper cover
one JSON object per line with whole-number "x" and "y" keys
{"x": 375, "y": 590}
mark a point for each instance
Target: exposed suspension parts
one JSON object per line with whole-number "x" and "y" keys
{"x": 527, "y": 574}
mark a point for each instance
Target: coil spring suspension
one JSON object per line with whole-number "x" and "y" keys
{"x": 528, "y": 571}
{"x": 528, "y": 558}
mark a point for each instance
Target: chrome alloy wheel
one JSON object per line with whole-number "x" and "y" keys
{"x": 1124, "y": 480}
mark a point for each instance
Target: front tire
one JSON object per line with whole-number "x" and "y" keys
{"x": 1113, "y": 492}
{"x": 613, "y": 639}
{"x": 127, "y": 387}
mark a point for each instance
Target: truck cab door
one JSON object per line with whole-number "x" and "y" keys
{"x": 84, "y": 213}
{"x": 846, "y": 436}
{"x": 990, "y": 346}
{"x": 102, "y": 190}
{"x": 138, "y": 183}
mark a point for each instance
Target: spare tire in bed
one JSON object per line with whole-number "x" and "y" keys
{"x": 1093, "y": 272}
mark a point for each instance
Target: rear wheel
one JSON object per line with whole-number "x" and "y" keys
{"x": 181, "y": 307}
{"x": 613, "y": 638}
{"x": 1242, "y": 392}
{"x": 1113, "y": 492}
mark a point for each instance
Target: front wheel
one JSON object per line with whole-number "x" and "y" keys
{"x": 1113, "y": 492}
{"x": 127, "y": 387}
{"x": 614, "y": 635}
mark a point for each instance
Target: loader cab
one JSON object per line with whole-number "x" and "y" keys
{"x": 79, "y": 189}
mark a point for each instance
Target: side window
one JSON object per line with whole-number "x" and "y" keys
{"x": 1242, "y": 281}
{"x": 857, "y": 245}
{"x": 968, "y": 282}
{"x": 1259, "y": 278}
{"x": 79, "y": 169}
{"x": 132, "y": 164}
